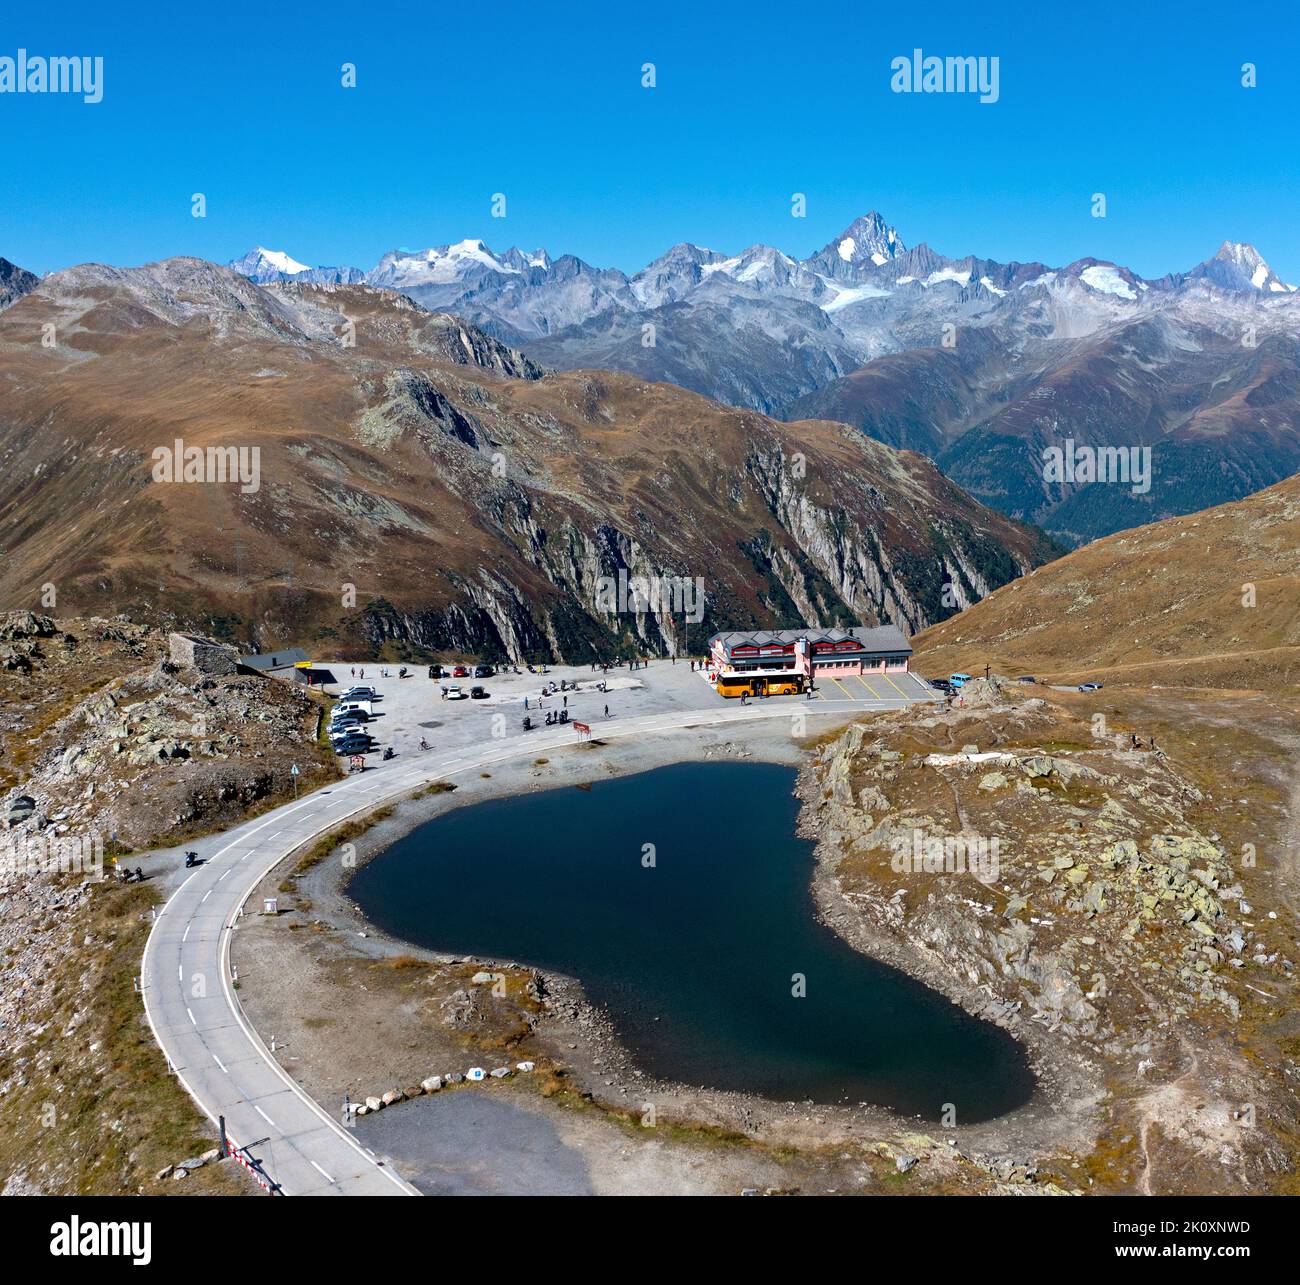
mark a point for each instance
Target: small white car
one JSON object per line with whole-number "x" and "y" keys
{"x": 454, "y": 693}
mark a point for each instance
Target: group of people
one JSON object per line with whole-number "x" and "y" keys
{"x": 604, "y": 666}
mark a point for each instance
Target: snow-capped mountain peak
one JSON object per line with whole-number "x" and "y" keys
{"x": 867, "y": 239}
{"x": 1248, "y": 260}
{"x": 439, "y": 265}
{"x": 263, "y": 265}
{"x": 866, "y": 244}
{"x": 1240, "y": 267}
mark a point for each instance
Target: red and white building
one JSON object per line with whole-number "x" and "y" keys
{"x": 814, "y": 652}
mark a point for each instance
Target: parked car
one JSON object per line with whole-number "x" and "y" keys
{"x": 356, "y": 743}
{"x": 941, "y": 684}
{"x": 1026, "y": 678}
{"x": 348, "y": 729}
{"x": 460, "y": 672}
{"x": 483, "y": 671}
{"x": 345, "y": 722}
{"x": 454, "y": 693}
{"x": 478, "y": 693}
{"x": 1090, "y": 687}
{"x": 959, "y": 680}
{"x": 354, "y": 706}
{"x": 359, "y": 693}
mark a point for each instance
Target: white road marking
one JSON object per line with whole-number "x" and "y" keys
{"x": 185, "y": 936}
{"x": 205, "y": 896}
{"x": 191, "y": 1017}
{"x": 317, "y": 1167}
{"x": 220, "y": 1063}
{"x": 264, "y": 1116}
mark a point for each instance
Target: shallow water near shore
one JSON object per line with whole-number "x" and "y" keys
{"x": 681, "y": 900}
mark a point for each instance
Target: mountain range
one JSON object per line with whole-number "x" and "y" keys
{"x": 977, "y": 363}
{"x": 422, "y": 487}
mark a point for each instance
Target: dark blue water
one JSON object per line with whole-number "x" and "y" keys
{"x": 694, "y": 958}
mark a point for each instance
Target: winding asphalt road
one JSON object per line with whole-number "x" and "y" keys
{"x": 193, "y": 1008}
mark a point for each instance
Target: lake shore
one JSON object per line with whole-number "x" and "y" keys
{"x": 293, "y": 973}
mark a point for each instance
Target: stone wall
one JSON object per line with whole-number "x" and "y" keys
{"x": 203, "y": 654}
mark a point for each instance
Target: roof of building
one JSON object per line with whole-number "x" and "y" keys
{"x": 281, "y": 659}
{"x": 877, "y": 638}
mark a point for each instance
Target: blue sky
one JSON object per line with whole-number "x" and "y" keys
{"x": 543, "y": 102}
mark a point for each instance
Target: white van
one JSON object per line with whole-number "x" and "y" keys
{"x": 349, "y": 706}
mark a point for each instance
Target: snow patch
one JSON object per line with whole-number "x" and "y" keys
{"x": 853, "y": 295}
{"x": 1106, "y": 279}
{"x": 948, "y": 274}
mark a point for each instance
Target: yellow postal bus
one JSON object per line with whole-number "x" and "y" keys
{"x": 761, "y": 682}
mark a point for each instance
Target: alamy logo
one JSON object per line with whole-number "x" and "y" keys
{"x": 23, "y": 856}
{"x": 75, "y": 1239}
{"x": 1082, "y": 465}
{"x": 655, "y": 594}
{"x": 181, "y": 463}
{"x": 59, "y": 75}
{"x": 915, "y": 852}
{"x": 920, "y": 74}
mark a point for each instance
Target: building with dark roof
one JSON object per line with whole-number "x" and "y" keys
{"x": 857, "y": 649}
{"x": 267, "y": 662}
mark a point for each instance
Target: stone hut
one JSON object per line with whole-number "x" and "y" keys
{"x": 192, "y": 651}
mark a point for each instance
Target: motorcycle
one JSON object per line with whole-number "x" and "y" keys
{"x": 528, "y": 724}
{"x": 388, "y": 753}
{"x": 191, "y": 860}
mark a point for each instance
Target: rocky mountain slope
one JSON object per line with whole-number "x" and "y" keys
{"x": 14, "y": 282}
{"x": 107, "y": 748}
{"x": 1208, "y": 599}
{"x": 420, "y": 486}
{"x": 1086, "y": 890}
{"x": 977, "y": 363}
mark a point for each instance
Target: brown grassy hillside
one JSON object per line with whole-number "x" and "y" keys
{"x": 1211, "y": 599}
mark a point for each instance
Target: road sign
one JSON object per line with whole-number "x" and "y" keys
{"x": 293, "y": 771}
